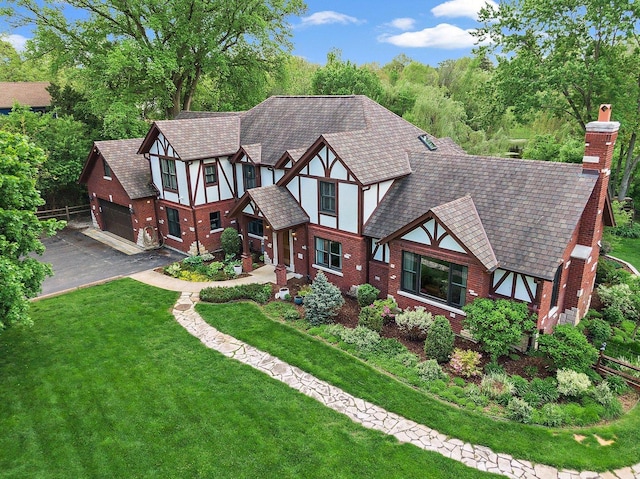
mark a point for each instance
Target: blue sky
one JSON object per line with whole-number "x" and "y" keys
{"x": 370, "y": 30}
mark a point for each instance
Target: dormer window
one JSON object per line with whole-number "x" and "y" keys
{"x": 428, "y": 143}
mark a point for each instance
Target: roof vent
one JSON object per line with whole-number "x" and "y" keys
{"x": 428, "y": 143}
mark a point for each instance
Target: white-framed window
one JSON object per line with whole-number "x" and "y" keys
{"x": 328, "y": 254}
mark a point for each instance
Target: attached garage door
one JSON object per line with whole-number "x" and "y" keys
{"x": 117, "y": 219}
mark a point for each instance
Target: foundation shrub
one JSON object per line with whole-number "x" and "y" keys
{"x": 439, "y": 341}
{"x": 414, "y": 323}
{"x": 230, "y": 241}
{"x": 323, "y": 302}
{"x": 369, "y": 317}
{"x": 367, "y": 294}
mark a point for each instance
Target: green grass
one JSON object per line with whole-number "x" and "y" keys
{"x": 107, "y": 385}
{"x": 555, "y": 447}
{"x": 627, "y": 249}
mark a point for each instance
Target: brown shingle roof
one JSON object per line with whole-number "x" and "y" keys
{"x": 278, "y": 206}
{"x": 529, "y": 209}
{"x": 200, "y": 138}
{"x": 190, "y": 115}
{"x": 33, "y": 94}
{"x": 130, "y": 169}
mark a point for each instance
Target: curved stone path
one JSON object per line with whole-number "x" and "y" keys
{"x": 371, "y": 416}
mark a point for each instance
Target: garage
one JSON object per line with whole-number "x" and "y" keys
{"x": 116, "y": 219}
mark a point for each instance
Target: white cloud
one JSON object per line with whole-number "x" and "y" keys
{"x": 327, "y": 17}
{"x": 403, "y": 24}
{"x": 18, "y": 41}
{"x": 441, "y": 36}
{"x": 461, "y": 8}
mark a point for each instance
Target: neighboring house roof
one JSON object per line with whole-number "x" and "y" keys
{"x": 33, "y": 94}
{"x": 277, "y": 205}
{"x": 529, "y": 209}
{"x": 131, "y": 170}
{"x": 198, "y": 138}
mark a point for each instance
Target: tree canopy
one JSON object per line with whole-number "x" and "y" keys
{"x": 21, "y": 275}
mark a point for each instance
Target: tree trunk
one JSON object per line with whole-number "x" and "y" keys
{"x": 629, "y": 167}
{"x": 191, "y": 90}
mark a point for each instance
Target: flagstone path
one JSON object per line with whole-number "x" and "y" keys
{"x": 371, "y": 416}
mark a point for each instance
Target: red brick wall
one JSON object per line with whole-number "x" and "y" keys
{"x": 478, "y": 280}
{"x": 379, "y": 276}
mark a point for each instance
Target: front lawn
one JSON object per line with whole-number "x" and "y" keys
{"x": 556, "y": 447}
{"x": 107, "y": 384}
{"x": 627, "y": 249}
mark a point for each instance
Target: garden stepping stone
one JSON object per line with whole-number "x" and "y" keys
{"x": 374, "y": 417}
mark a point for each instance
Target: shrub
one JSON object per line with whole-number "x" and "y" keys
{"x": 430, "y": 370}
{"x": 370, "y": 318}
{"x": 260, "y": 293}
{"x": 173, "y": 269}
{"x": 230, "y": 241}
{"x": 623, "y": 298}
{"x": 322, "y": 304}
{"x": 497, "y": 325}
{"x": 414, "y": 324}
{"x": 610, "y": 272}
{"x": 518, "y": 410}
{"x": 362, "y": 338}
{"x": 602, "y": 394}
{"x": 617, "y": 385}
{"x": 613, "y": 316}
{"x": 572, "y": 383}
{"x": 193, "y": 260}
{"x": 387, "y": 308}
{"x": 597, "y": 330}
{"x": 551, "y": 415}
{"x": 520, "y": 385}
{"x": 465, "y": 362}
{"x": 367, "y": 294}
{"x": 439, "y": 342}
{"x": 496, "y": 385}
{"x": 568, "y": 348}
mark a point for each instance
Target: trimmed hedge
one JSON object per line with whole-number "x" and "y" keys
{"x": 260, "y": 293}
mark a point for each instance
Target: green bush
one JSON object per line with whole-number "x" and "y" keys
{"x": 572, "y": 383}
{"x": 465, "y": 362}
{"x": 430, "y": 370}
{"x": 230, "y": 241}
{"x": 613, "y": 316}
{"x": 568, "y": 348}
{"x": 602, "y": 394}
{"x": 497, "y": 325}
{"x": 617, "y": 385}
{"x": 610, "y": 272}
{"x": 518, "y": 410}
{"x": 520, "y": 385}
{"x": 367, "y": 294}
{"x": 362, "y": 338}
{"x": 414, "y": 324}
{"x": 260, "y": 293}
{"x": 173, "y": 269}
{"x": 324, "y": 301}
{"x": 550, "y": 415}
{"x": 496, "y": 385}
{"x": 597, "y": 330}
{"x": 439, "y": 341}
{"x": 193, "y": 260}
{"x": 370, "y": 318}
{"x": 546, "y": 389}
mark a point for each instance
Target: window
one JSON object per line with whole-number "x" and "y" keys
{"x": 327, "y": 197}
{"x": 249, "y": 175}
{"x": 434, "y": 278}
{"x": 556, "y": 287}
{"x": 214, "y": 220}
{"x": 107, "y": 168}
{"x": 329, "y": 254}
{"x": 255, "y": 227}
{"x": 169, "y": 177}
{"x": 431, "y": 146}
{"x": 210, "y": 174}
{"x": 173, "y": 219}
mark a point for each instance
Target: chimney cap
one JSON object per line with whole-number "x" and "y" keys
{"x": 604, "y": 113}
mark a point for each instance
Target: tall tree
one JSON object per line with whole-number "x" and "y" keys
{"x": 20, "y": 274}
{"x": 340, "y": 77}
{"x": 152, "y": 54}
{"x": 568, "y": 57}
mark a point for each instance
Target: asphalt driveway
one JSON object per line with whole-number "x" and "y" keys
{"x": 78, "y": 260}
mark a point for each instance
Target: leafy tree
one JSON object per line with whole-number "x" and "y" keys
{"x": 64, "y": 141}
{"x": 230, "y": 241}
{"x": 567, "y": 58}
{"x": 153, "y": 56}
{"x": 339, "y": 77}
{"x": 20, "y": 274}
{"x": 497, "y": 325}
{"x": 324, "y": 301}
{"x": 568, "y": 348}
{"x": 13, "y": 67}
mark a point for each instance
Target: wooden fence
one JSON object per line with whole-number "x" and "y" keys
{"x": 604, "y": 368}
{"x": 65, "y": 213}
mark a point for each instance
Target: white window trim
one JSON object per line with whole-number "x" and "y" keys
{"x": 431, "y": 302}
{"x": 552, "y": 312}
{"x": 251, "y": 235}
{"x": 107, "y": 178}
{"x": 217, "y": 230}
{"x": 327, "y": 270}
{"x": 175, "y": 238}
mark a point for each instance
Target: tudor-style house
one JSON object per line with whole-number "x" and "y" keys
{"x": 340, "y": 184}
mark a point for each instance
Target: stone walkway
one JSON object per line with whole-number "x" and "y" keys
{"x": 371, "y": 416}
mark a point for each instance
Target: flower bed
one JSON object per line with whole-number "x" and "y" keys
{"x": 205, "y": 267}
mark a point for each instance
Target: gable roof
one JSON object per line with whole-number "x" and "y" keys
{"x": 33, "y": 94}
{"x": 190, "y": 115}
{"x": 130, "y": 169}
{"x": 197, "y": 138}
{"x": 277, "y": 205}
{"x": 529, "y": 209}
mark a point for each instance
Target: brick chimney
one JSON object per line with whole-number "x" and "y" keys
{"x": 600, "y": 140}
